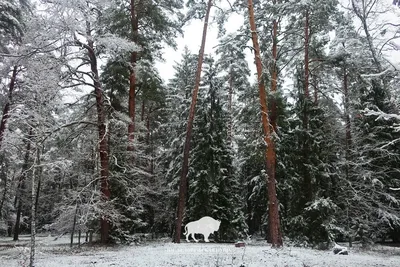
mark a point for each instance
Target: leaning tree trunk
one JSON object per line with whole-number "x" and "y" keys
{"x": 132, "y": 78}
{"x": 6, "y": 110}
{"x": 102, "y": 131}
{"x": 186, "y": 150}
{"x": 274, "y": 222}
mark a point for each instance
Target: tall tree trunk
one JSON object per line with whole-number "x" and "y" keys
{"x": 148, "y": 127}
{"x": 230, "y": 93}
{"x": 348, "y": 136}
{"x": 39, "y": 183}
{"x": 102, "y": 130}
{"x": 132, "y": 78}
{"x": 307, "y": 182}
{"x": 274, "y": 75}
{"x": 186, "y": 150}
{"x": 347, "y": 114}
{"x": 3, "y": 173}
{"x": 21, "y": 185}
{"x": 362, "y": 14}
{"x": 6, "y": 110}
{"x": 274, "y": 222}
{"x": 36, "y": 162}
{"x": 306, "y": 55}
{"x": 73, "y": 226}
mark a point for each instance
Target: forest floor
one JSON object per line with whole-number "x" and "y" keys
{"x": 57, "y": 253}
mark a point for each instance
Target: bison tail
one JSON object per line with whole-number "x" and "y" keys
{"x": 186, "y": 231}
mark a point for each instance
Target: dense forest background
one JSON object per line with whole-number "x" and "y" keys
{"x": 92, "y": 138}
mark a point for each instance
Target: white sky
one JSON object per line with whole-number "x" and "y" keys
{"x": 192, "y": 39}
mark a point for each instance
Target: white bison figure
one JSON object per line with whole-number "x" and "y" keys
{"x": 204, "y": 226}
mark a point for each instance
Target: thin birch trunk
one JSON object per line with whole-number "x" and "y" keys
{"x": 185, "y": 165}
{"x": 270, "y": 156}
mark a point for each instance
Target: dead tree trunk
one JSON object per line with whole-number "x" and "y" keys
{"x": 132, "y": 78}
{"x": 6, "y": 110}
{"x": 274, "y": 222}
{"x": 185, "y": 165}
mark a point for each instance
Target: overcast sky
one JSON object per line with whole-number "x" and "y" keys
{"x": 192, "y": 39}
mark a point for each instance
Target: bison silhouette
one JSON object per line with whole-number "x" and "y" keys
{"x": 204, "y": 226}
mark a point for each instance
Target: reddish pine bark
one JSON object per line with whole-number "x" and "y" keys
{"x": 274, "y": 75}
{"x": 276, "y": 238}
{"x": 6, "y": 110}
{"x": 102, "y": 131}
{"x": 186, "y": 150}
{"x": 132, "y": 78}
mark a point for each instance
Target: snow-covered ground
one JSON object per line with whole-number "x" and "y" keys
{"x": 56, "y": 253}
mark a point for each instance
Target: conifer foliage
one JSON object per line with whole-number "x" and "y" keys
{"x": 303, "y": 145}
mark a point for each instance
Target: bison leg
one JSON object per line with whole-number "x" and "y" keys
{"x": 194, "y": 238}
{"x": 206, "y": 235}
{"x": 187, "y": 237}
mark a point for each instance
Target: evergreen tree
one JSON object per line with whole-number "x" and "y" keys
{"x": 12, "y": 14}
{"x": 177, "y": 108}
{"x": 213, "y": 190}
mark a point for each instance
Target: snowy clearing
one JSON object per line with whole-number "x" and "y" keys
{"x": 56, "y": 253}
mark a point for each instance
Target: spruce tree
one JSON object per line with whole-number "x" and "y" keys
{"x": 213, "y": 190}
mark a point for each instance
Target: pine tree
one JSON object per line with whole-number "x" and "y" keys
{"x": 148, "y": 24}
{"x": 186, "y": 149}
{"x": 270, "y": 155}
